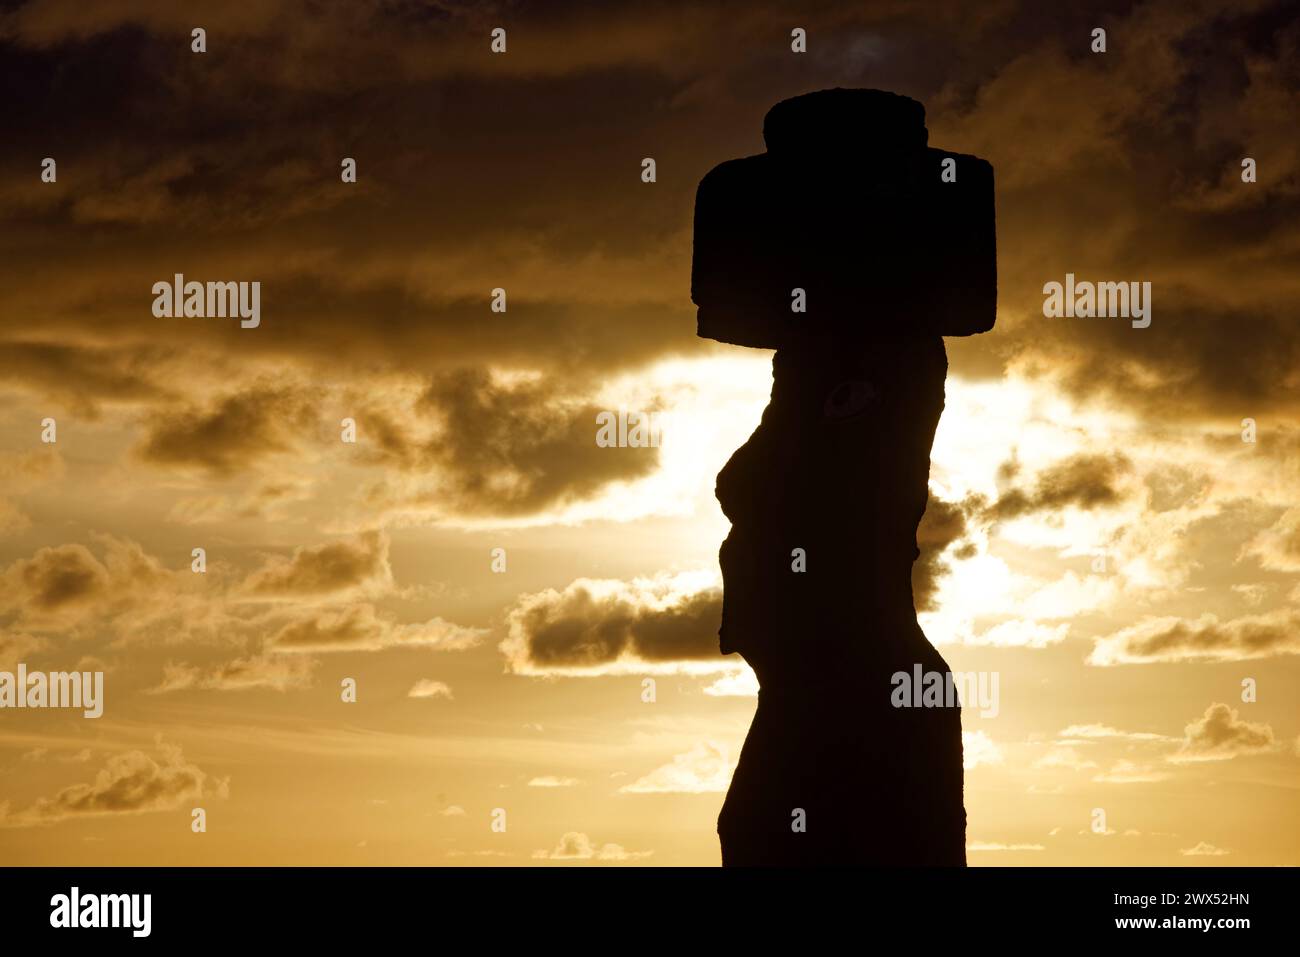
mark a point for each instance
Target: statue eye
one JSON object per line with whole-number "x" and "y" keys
{"x": 851, "y": 397}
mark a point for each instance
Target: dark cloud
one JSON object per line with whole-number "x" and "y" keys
{"x": 1173, "y": 486}
{"x": 273, "y": 672}
{"x": 232, "y": 435}
{"x": 1220, "y": 734}
{"x": 26, "y": 469}
{"x": 1086, "y": 481}
{"x": 1143, "y": 183}
{"x": 1206, "y": 638}
{"x": 55, "y": 581}
{"x": 16, "y": 648}
{"x": 330, "y": 569}
{"x": 359, "y": 628}
{"x": 522, "y": 171}
{"x": 594, "y": 627}
{"x": 129, "y": 783}
{"x": 122, "y": 591}
{"x": 517, "y": 449}
{"x": 84, "y": 377}
{"x": 507, "y": 448}
{"x": 942, "y": 524}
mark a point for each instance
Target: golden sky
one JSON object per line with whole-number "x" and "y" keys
{"x": 1099, "y": 534}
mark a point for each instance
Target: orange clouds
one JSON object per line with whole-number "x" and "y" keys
{"x": 1083, "y": 481}
{"x": 126, "y": 592}
{"x": 129, "y": 783}
{"x": 357, "y": 627}
{"x": 1220, "y": 735}
{"x": 505, "y": 448}
{"x": 238, "y": 431}
{"x": 334, "y": 568}
{"x": 274, "y": 672}
{"x": 605, "y": 627}
{"x": 703, "y": 769}
{"x": 1204, "y": 638}
{"x": 576, "y": 846}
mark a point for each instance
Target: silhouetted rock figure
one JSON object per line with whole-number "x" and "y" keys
{"x": 850, "y": 206}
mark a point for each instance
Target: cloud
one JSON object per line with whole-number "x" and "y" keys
{"x": 506, "y": 446}
{"x": 269, "y": 501}
{"x": 1278, "y": 547}
{"x": 979, "y": 749}
{"x": 1134, "y": 103}
{"x": 607, "y": 626}
{"x": 1021, "y": 633}
{"x": 68, "y": 588}
{"x": 1129, "y": 772}
{"x": 551, "y": 781}
{"x": 979, "y": 846}
{"x": 1068, "y": 596}
{"x": 129, "y": 593}
{"x": 1106, "y": 731}
{"x": 942, "y": 524}
{"x": 702, "y": 770}
{"x": 576, "y": 846}
{"x": 59, "y": 582}
{"x": 272, "y": 672}
{"x": 86, "y": 376}
{"x": 372, "y": 255}
{"x": 15, "y": 647}
{"x": 359, "y": 628}
{"x": 1170, "y": 639}
{"x": 332, "y": 569}
{"x": 1044, "y": 789}
{"x": 38, "y": 755}
{"x": 26, "y": 470}
{"x": 428, "y": 688}
{"x": 12, "y": 518}
{"x": 232, "y": 435}
{"x": 1065, "y": 757}
{"x": 1085, "y": 481}
{"x": 1202, "y": 849}
{"x": 737, "y": 684}
{"x": 1220, "y": 735}
{"x": 129, "y": 783}
{"x": 1171, "y": 487}
{"x": 20, "y": 473}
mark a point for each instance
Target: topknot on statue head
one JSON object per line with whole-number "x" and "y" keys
{"x": 849, "y": 125}
{"x": 885, "y": 236}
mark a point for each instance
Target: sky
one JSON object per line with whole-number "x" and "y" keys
{"x": 527, "y": 619}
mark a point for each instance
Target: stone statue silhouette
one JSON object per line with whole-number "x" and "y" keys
{"x": 851, "y": 249}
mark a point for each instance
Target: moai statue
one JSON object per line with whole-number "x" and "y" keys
{"x": 852, "y": 249}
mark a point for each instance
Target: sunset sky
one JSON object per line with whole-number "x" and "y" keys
{"x": 1099, "y": 533}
